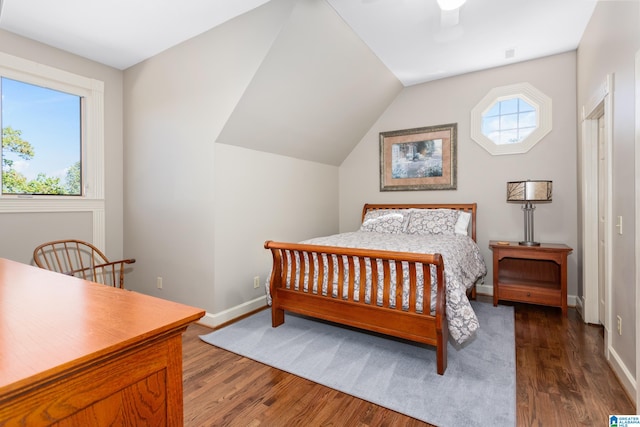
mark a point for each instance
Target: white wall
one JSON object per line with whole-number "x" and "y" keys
{"x": 23, "y": 232}
{"x": 608, "y": 46}
{"x": 482, "y": 177}
{"x": 197, "y": 212}
{"x": 261, "y": 196}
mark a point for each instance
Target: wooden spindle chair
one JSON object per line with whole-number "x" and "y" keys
{"x": 80, "y": 259}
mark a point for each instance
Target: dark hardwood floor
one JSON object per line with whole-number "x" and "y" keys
{"x": 561, "y": 374}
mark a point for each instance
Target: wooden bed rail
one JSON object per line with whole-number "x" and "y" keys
{"x": 307, "y": 265}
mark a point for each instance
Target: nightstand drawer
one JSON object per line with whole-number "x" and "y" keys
{"x": 532, "y": 295}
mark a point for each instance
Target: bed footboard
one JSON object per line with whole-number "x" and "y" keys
{"x": 301, "y": 272}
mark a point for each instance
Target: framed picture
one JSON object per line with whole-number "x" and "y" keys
{"x": 419, "y": 159}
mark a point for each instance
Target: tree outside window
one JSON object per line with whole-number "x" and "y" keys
{"x": 41, "y": 140}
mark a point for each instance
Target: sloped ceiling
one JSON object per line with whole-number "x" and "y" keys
{"x": 119, "y": 33}
{"x": 317, "y": 92}
{"x": 336, "y": 64}
{"x": 420, "y": 43}
{"x": 415, "y": 39}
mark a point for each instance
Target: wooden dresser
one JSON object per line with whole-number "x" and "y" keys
{"x": 75, "y": 353}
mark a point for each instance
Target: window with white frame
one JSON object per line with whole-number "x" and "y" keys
{"x": 41, "y": 140}
{"x": 511, "y": 119}
{"x": 56, "y": 106}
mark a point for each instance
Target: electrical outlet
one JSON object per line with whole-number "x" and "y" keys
{"x": 619, "y": 325}
{"x": 256, "y": 282}
{"x": 159, "y": 282}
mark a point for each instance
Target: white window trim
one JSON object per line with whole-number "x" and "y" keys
{"x": 537, "y": 99}
{"x": 92, "y": 90}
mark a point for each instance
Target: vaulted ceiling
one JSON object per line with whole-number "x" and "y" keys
{"x": 413, "y": 38}
{"x": 316, "y": 93}
{"x": 333, "y": 67}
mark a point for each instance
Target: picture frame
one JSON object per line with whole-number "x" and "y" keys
{"x": 419, "y": 159}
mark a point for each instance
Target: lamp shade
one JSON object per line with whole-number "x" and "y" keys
{"x": 529, "y": 191}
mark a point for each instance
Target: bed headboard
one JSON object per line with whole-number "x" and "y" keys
{"x": 466, "y": 207}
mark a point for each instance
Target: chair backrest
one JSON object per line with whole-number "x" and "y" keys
{"x": 80, "y": 259}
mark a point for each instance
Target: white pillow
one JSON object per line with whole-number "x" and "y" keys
{"x": 462, "y": 224}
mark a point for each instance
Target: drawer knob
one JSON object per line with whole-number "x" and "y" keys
{"x": 528, "y": 294}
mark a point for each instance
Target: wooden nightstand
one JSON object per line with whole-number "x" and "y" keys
{"x": 532, "y": 274}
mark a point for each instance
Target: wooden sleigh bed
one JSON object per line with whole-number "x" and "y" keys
{"x": 312, "y": 265}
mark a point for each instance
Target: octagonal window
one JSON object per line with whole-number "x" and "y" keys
{"x": 511, "y": 119}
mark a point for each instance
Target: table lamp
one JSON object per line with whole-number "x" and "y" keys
{"x": 529, "y": 191}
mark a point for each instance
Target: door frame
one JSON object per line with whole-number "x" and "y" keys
{"x": 637, "y": 215}
{"x": 600, "y": 104}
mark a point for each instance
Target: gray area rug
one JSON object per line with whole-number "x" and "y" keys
{"x": 477, "y": 389}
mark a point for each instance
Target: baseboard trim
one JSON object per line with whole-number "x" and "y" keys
{"x": 483, "y": 289}
{"x": 624, "y": 375}
{"x": 217, "y": 319}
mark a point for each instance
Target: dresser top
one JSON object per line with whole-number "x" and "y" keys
{"x": 51, "y": 323}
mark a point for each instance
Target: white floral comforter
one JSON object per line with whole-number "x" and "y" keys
{"x": 463, "y": 264}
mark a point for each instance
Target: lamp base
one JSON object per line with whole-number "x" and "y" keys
{"x": 529, "y": 243}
